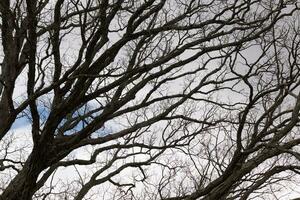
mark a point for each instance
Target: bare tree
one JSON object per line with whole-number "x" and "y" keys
{"x": 149, "y": 99}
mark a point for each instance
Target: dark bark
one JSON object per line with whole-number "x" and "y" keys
{"x": 24, "y": 185}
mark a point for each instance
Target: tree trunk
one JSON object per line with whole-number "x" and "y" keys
{"x": 23, "y": 186}
{"x": 6, "y": 119}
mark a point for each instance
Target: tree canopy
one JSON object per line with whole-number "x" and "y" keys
{"x": 149, "y": 99}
